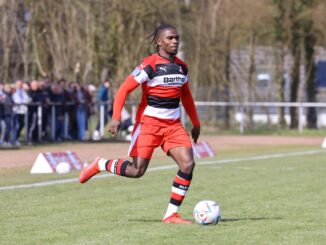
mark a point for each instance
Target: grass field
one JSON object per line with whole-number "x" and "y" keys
{"x": 263, "y": 201}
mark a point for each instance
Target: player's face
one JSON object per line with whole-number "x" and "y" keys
{"x": 168, "y": 41}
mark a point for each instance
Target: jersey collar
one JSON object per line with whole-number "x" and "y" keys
{"x": 166, "y": 59}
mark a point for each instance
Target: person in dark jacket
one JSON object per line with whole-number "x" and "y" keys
{"x": 102, "y": 98}
{"x": 82, "y": 100}
{"x": 57, "y": 99}
{"x": 2, "y": 98}
{"x": 37, "y": 99}
{"x": 9, "y": 133}
{"x": 67, "y": 109}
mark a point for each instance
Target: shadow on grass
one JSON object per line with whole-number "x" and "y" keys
{"x": 146, "y": 220}
{"x": 249, "y": 219}
{"x": 149, "y": 220}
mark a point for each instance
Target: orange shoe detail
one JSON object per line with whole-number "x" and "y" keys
{"x": 89, "y": 171}
{"x": 176, "y": 219}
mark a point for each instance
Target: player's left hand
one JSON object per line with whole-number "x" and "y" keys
{"x": 195, "y": 132}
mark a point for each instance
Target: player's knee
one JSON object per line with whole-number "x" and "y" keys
{"x": 139, "y": 172}
{"x": 188, "y": 166}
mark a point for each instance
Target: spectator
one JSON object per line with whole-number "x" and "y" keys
{"x": 67, "y": 107}
{"x": 82, "y": 99}
{"x": 2, "y": 98}
{"x": 9, "y": 132}
{"x": 20, "y": 98}
{"x": 102, "y": 98}
{"x": 91, "y": 88}
{"x": 45, "y": 88}
{"x": 26, "y": 86}
{"x": 37, "y": 99}
{"x": 73, "y": 129}
{"x": 56, "y": 97}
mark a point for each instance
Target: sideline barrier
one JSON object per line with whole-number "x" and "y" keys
{"x": 56, "y": 162}
{"x": 202, "y": 149}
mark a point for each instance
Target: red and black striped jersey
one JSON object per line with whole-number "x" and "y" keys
{"x": 164, "y": 84}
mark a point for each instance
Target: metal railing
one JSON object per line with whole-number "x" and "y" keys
{"x": 239, "y": 114}
{"x": 242, "y": 106}
{"x": 38, "y": 110}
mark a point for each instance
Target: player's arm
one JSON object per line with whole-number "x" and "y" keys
{"x": 126, "y": 87}
{"x": 137, "y": 77}
{"x": 189, "y": 105}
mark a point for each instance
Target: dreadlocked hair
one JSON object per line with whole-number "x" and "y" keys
{"x": 157, "y": 32}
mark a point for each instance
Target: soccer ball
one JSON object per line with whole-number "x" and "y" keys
{"x": 63, "y": 168}
{"x": 207, "y": 212}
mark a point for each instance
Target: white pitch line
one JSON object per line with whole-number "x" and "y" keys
{"x": 155, "y": 169}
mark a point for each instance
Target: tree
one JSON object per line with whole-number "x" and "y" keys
{"x": 8, "y": 23}
{"x": 294, "y": 28}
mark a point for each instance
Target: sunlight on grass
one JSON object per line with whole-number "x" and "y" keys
{"x": 273, "y": 201}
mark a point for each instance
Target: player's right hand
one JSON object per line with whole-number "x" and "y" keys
{"x": 195, "y": 132}
{"x": 114, "y": 127}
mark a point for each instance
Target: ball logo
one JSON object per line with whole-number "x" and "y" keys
{"x": 207, "y": 212}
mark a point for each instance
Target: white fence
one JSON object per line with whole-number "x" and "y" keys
{"x": 272, "y": 116}
{"x": 215, "y": 111}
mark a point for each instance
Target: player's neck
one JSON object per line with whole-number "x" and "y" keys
{"x": 166, "y": 55}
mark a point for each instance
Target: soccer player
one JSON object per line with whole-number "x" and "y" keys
{"x": 163, "y": 78}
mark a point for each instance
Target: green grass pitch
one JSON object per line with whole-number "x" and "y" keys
{"x": 268, "y": 201}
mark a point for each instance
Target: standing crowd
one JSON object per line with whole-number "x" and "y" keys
{"x": 48, "y": 110}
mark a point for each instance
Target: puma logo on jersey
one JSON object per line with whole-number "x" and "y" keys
{"x": 163, "y": 69}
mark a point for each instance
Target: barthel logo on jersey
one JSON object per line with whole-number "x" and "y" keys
{"x": 176, "y": 79}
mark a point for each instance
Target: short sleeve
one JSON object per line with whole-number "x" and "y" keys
{"x": 144, "y": 71}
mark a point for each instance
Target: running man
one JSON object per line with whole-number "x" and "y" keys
{"x": 164, "y": 81}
